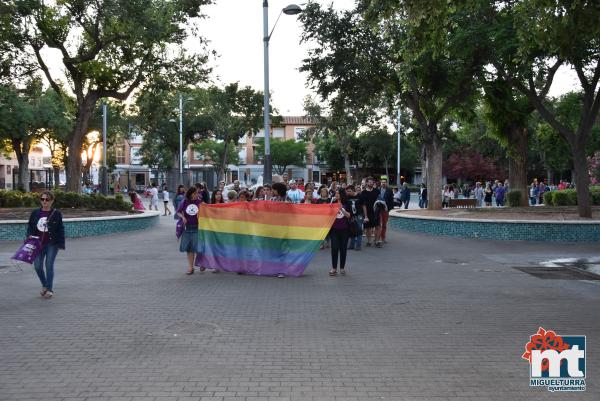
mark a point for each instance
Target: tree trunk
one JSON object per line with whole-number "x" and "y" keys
{"x": 21, "y": 148}
{"x": 56, "y": 170}
{"x": 223, "y": 162}
{"x": 517, "y": 162}
{"x": 23, "y": 178}
{"x": 582, "y": 180}
{"x": 75, "y": 142}
{"x": 433, "y": 165}
{"x": 347, "y": 166}
{"x": 387, "y": 170}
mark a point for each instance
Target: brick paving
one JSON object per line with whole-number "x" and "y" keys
{"x": 424, "y": 318}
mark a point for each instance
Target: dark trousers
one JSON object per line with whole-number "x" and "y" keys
{"x": 339, "y": 244}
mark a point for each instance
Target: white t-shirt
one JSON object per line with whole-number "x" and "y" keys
{"x": 154, "y": 193}
{"x": 165, "y": 196}
{"x": 295, "y": 195}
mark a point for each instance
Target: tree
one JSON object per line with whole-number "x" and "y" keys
{"x": 550, "y": 34}
{"x": 328, "y": 150}
{"x": 25, "y": 117}
{"x": 120, "y": 46}
{"x": 425, "y": 53}
{"x": 231, "y": 113}
{"x": 284, "y": 153}
{"x": 212, "y": 151}
{"x": 377, "y": 148}
{"x": 341, "y": 123}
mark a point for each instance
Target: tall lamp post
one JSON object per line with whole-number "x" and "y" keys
{"x": 181, "y": 102}
{"x": 291, "y": 9}
{"x": 398, "y": 181}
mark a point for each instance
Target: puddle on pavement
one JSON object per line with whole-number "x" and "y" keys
{"x": 586, "y": 269}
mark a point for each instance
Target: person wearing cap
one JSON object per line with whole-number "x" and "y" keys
{"x": 294, "y": 195}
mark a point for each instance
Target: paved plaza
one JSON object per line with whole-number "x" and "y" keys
{"x": 424, "y": 318}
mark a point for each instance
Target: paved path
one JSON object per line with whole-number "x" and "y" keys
{"x": 424, "y": 318}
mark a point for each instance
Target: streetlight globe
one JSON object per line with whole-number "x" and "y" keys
{"x": 292, "y": 9}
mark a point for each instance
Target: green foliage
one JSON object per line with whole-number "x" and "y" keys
{"x": 212, "y": 152}
{"x": 214, "y": 114}
{"x": 595, "y": 194}
{"x": 327, "y": 149}
{"x": 567, "y": 197}
{"x": 514, "y": 198}
{"x": 549, "y": 198}
{"x": 284, "y": 153}
{"x": 64, "y": 200}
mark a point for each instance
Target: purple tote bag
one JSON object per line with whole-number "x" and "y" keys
{"x": 179, "y": 228}
{"x": 30, "y": 249}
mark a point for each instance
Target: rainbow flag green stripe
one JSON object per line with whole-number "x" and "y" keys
{"x": 262, "y": 238}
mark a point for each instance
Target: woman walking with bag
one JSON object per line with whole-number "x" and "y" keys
{"x": 188, "y": 212}
{"x": 46, "y": 224}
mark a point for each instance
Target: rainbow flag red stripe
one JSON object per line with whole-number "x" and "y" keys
{"x": 262, "y": 238}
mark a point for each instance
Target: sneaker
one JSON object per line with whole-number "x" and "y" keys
{"x": 48, "y": 294}
{"x": 280, "y": 275}
{"x": 379, "y": 244}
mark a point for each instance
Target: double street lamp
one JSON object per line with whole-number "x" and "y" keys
{"x": 291, "y": 9}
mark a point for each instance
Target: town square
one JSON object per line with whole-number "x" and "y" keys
{"x": 218, "y": 200}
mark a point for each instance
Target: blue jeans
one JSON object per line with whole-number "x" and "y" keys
{"x": 356, "y": 241}
{"x": 49, "y": 253}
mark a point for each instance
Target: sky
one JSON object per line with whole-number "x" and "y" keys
{"x": 235, "y": 30}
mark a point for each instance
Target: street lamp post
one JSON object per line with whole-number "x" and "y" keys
{"x": 104, "y": 175}
{"x": 181, "y": 102}
{"x": 291, "y": 9}
{"x": 398, "y": 183}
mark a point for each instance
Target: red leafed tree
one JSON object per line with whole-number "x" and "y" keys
{"x": 472, "y": 165}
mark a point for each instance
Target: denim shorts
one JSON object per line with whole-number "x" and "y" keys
{"x": 189, "y": 240}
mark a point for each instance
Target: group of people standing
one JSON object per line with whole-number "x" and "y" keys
{"x": 363, "y": 208}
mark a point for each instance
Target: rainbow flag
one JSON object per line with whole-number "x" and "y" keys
{"x": 262, "y": 238}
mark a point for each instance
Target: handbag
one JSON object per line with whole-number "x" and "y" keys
{"x": 179, "y": 228}
{"x": 30, "y": 249}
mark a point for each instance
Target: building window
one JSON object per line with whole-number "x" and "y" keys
{"x": 140, "y": 179}
{"x": 120, "y": 154}
{"x": 136, "y": 158}
{"x": 8, "y": 170}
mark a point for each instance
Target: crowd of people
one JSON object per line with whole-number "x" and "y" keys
{"x": 363, "y": 209}
{"x": 494, "y": 193}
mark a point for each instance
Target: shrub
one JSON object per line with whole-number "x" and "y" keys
{"x": 595, "y": 194}
{"x": 566, "y": 197}
{"x": 63, "y": 200}
{"x": 549, "y": 198}
{"x": 514, "y": 198}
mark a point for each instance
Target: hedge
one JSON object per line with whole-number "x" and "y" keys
{"x": 514, "y": 198}
{"x": 64, "y": 200}
{"x": 568, "y": 197}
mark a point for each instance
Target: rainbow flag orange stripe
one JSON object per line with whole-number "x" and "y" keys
{"x": 263, "y": 237}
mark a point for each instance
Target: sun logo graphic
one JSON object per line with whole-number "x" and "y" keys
{"x": 556, "y": 362}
